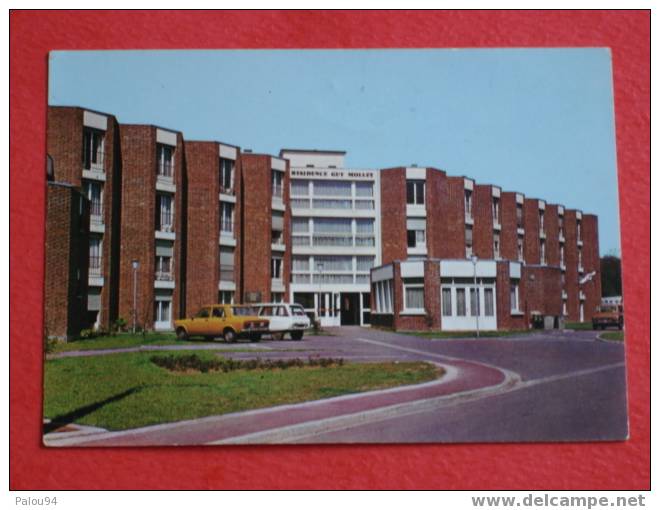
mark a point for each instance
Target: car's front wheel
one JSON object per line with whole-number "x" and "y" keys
{"x": 181, "y": 334}
{"x": 296, "y": 335}
{"x": 229, "y": 335}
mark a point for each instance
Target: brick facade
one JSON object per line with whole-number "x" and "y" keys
{"x": 65, "y": 280}
{"x": 129, "y": 228}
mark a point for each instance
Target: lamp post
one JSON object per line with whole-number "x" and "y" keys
{"x": 136, "y": 265}
{"x": 476, "y": 289}
{"x": 319, "y": 269}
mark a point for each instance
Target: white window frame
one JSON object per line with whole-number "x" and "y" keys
{"x": 407, "y": 284}
{"x": 223, "y": 170}
{"x": 161, "y": 148}
{"x": 514, "y": 289}
{"x": 416, "y": 192}
{"x": 276, "y": 267}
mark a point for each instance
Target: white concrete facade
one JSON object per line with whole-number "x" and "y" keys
{"x": 335, "y": 235}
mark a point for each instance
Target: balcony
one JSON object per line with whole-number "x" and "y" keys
{"x": 164, "y": 280}
{"x": 541, "y": 233}
{"x": 579, "y": 242}
{"x": 165, "y": 231}
{"x": 278, "y": 191}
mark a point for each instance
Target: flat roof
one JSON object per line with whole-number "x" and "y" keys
{"x": 312, "y": 151}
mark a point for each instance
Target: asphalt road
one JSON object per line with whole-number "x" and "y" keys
{"x": 555, "y": 386}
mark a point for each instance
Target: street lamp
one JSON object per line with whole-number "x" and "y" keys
{"x": 476, "y": 289}
{"x": 319, "y": 269}
{"x": 136, "y": 265}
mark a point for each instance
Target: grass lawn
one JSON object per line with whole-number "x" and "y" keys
{"x": 127, "y": 390}
{"x": 616, "y": 336}
{"x": 469, "y": 334}
{"x": 116, "y": 342}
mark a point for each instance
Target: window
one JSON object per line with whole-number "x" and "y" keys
{"x": 415, "y": 192}
{"x": 300, "y": 263}
{"x": 364, "y": 263}
{"x": 300, "y": 225}
{"x": 162, "y": 311}
{"x": 334, "y": 263}
{"x": 226, "y": 217}
{"x": 474, "y": 302}
{"x": 163, "y": 268}
{"x": 416, "y": 238}
{"x": 164, "y": 212}
{"x": 277, "y": 183}
{"x": 94, "y": 192}
{"x": 383, "y": 294}
{"x": 468, "y": 204}
{"x": 305, "y": 299}
{"x": 561, "y": 254}
{"x": 276, "y": 268}
{"x": 564, "y": 308}
{"x": 561, "y": 226}
{"x": 413, "y": 294}
{"x": 446, "y": 302}
{"x": 580, "y": 258}
{"x": 489, "y": 302}
{"x": 226, "y": 176}
{"x": 278, "y": 297}
{"x": 496, "y": 209}
{"x": 579, "y": 230}
{"x": 165, "y": 161}
{"x": 276, "y": 237}
{"x": 520, "y": 248}
{"x": 496, "y": 245}
{"x": 519, "y": 215}
{"x": 542, "y": 251}
{"x": 204, "y": 313}
{"x": 468, "y": 241}
{"x": 514, "y": 296}
{"x": 364, "y": 189}
{"x": 541, "y": 220}
{"x": 226, "y": 264}
{"x": 93, "y": 141}
{"x": 218, "y": 313}
{"x": 95, "y": 251}
{"x": 300, "y": 187}
{"x": 461, "y": 309}
{"x": 332, "y": 189}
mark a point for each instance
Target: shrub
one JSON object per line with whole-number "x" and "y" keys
{"x": 87, "y": 334}
{"x": 194, "y": 362}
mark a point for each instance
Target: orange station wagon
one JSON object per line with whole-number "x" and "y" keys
{"x": 228, "y": 321}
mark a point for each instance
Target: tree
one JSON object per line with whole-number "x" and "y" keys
{"x": 610, "y": 275}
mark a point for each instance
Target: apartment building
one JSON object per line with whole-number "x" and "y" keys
{"x": 174, "y": 225}
{"x": 335, "y": 235}
{"x": 83, "y": 146}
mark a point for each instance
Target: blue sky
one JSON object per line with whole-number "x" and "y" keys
{"x": 537, "y": 121}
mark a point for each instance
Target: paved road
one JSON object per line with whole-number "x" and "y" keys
{"x": 552, "y": 386}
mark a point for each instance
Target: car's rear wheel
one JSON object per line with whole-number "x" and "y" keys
{"x": 229, "y": 335}
{"x": 297, "y": 335}
{"x": 181, "y": 334}
{"x": 277, "y": 336}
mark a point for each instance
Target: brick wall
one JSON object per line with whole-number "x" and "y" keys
{"x": 64, "y": 142}
{"x": 509, "y": 233}
{"x": 591, "y": 257}
{"x": 66, "y": 261}
{"x": 505, "y": 318}
{"x": 454, "y": 211}
{"x": 571, "y": 274}
{"x": 256, "y": 218}
{"x": 543, "y": 290}
{"x": 203, "y": 220}
{"x": 394, "y": 242}
{"x": 483, "y": 221}
{"x": 437, "y": 228}
{"x": 552, "y": 234}
{"x": 531, "y": 222}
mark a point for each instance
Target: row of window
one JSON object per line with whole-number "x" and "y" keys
{"x": 454, "y": 298}
{"x": 310, "y": 188}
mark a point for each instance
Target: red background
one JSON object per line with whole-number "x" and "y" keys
{"x": 623, "y": 465}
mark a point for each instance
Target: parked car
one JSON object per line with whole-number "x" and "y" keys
{"x": 228, "y": 321}
{"x": 608, "y": 315}
{"x": 285, "y": 318}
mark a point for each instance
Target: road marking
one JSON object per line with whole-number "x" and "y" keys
{"x": 303, "y": 431}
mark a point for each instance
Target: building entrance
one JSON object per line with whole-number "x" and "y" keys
{"x": 350, "y": 308}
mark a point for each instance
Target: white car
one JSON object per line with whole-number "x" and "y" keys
{"x": 284, "y": 318}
